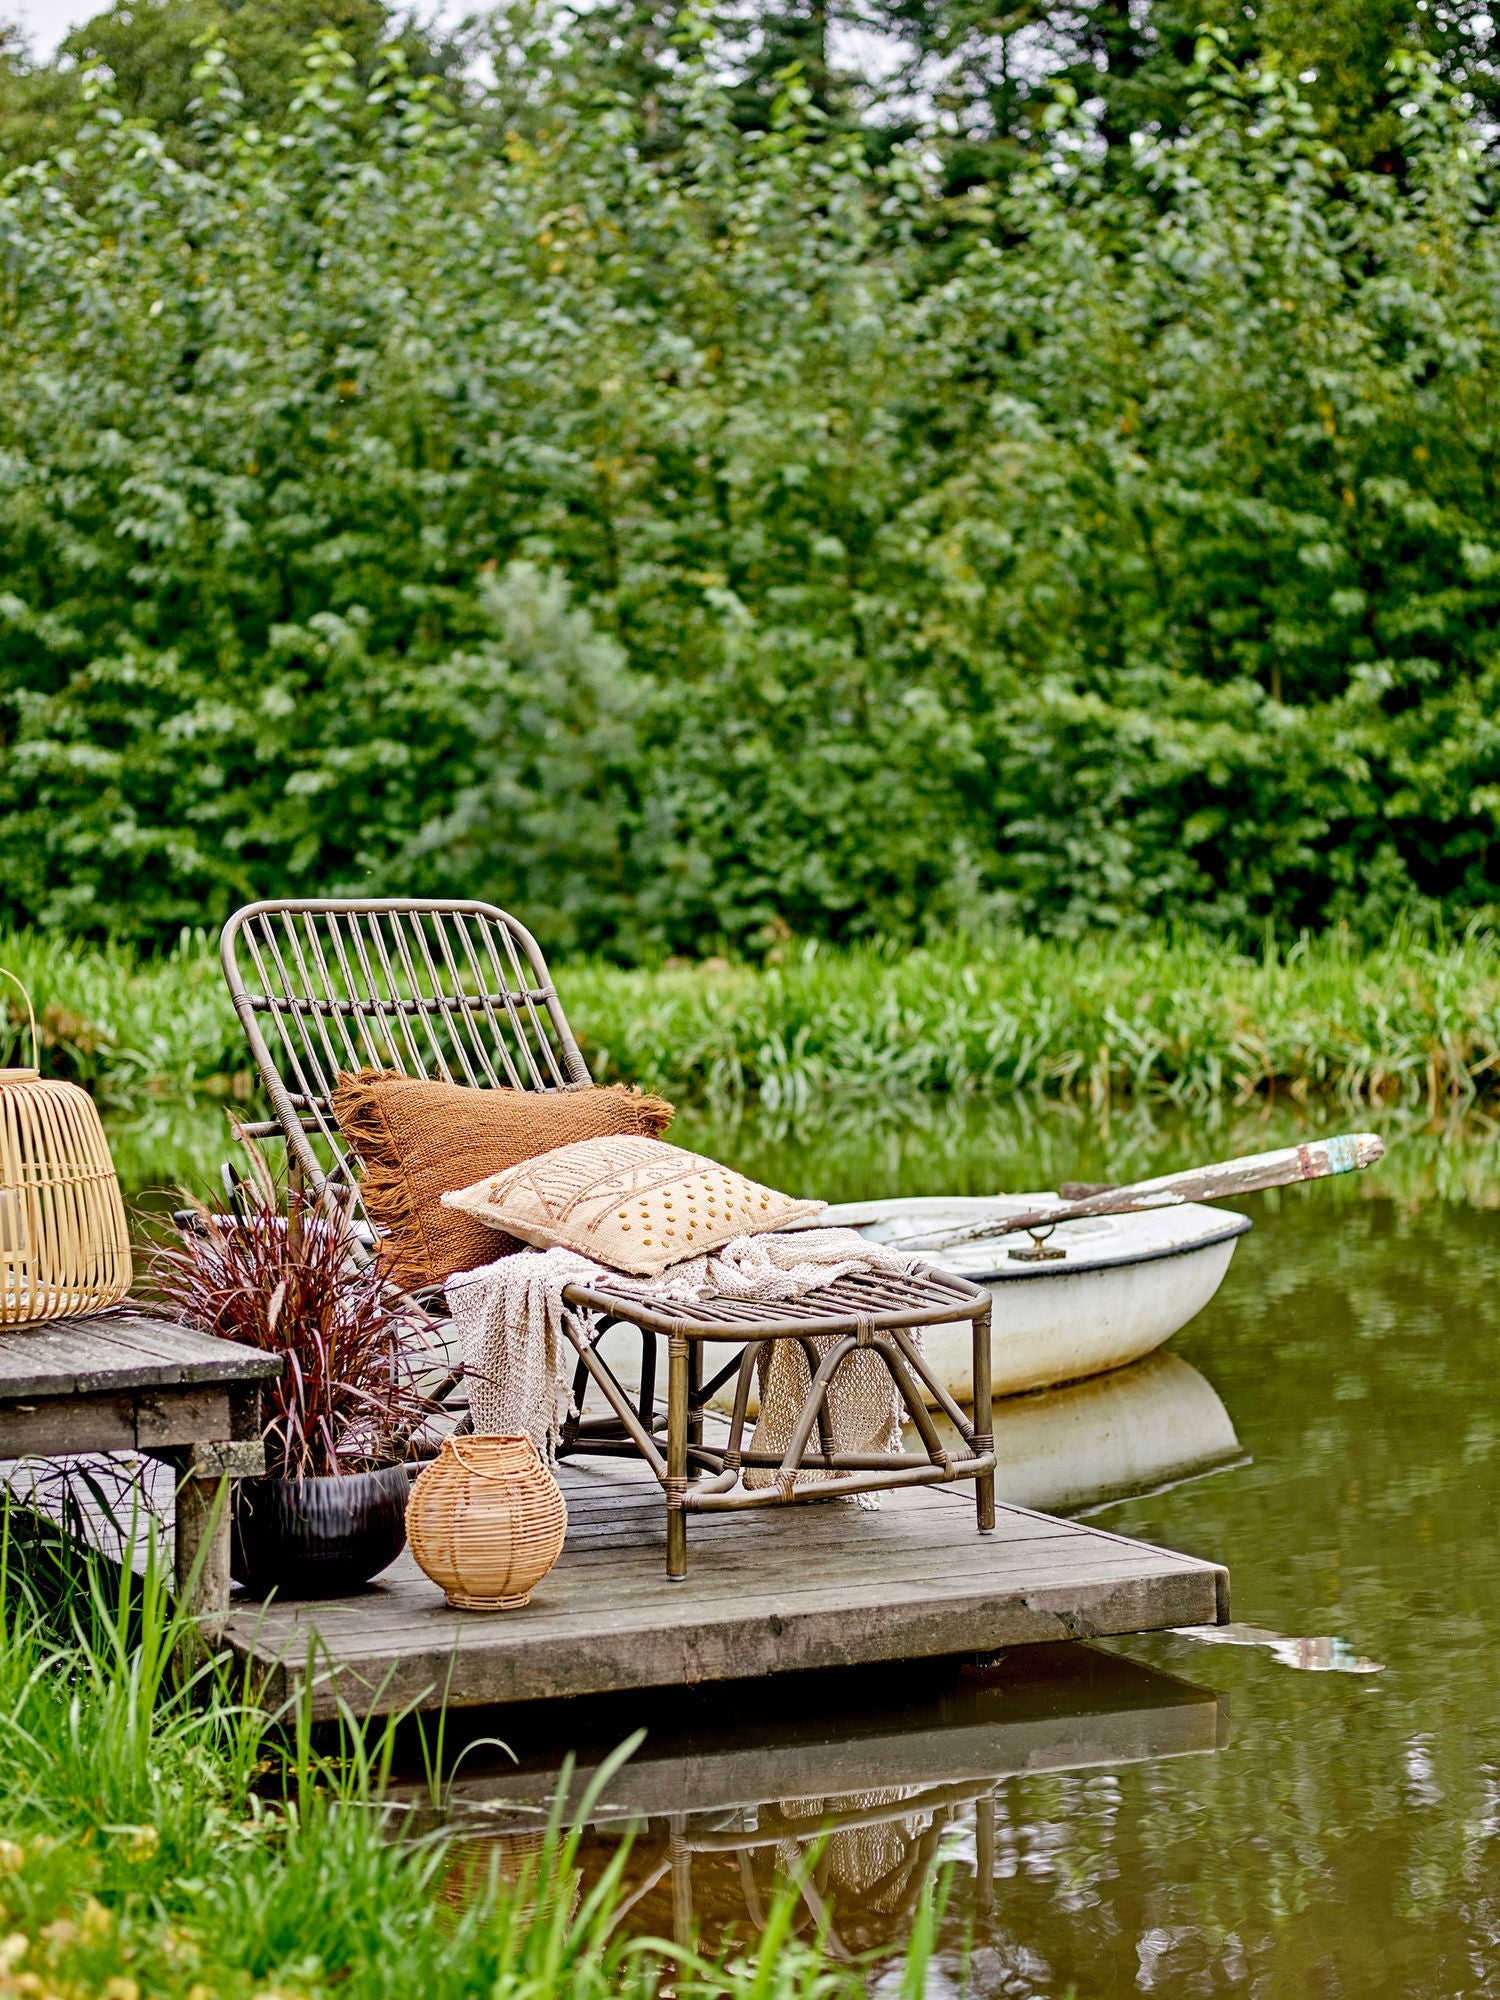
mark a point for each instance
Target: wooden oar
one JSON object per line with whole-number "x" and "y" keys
{"x": 1346, "y": 1154}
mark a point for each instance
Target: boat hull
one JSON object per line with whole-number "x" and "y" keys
{"x": 1080, "y": 1323}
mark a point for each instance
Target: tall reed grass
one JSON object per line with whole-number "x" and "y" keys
{"x": 1182, "y": 1020}
{"x": 162, "y": 1836}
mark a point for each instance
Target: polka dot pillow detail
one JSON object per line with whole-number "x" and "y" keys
{"x": 635, "y": 1204}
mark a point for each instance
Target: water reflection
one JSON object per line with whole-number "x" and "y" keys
{"x": 951, "y": 1146}
{"x": 977, "y": 1146}
{"x": 1133, "y": 1432}
{"x": 849, "y": 1785}
{"x": 1320, "y": 1655}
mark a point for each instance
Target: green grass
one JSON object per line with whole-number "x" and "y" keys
{"x": 161, "y": 1841}
{"x": 136, "y": 1032}
{"x": 1183, "y": 1021}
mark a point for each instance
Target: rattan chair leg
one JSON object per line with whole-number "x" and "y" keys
{"x": 677, "y": 1456}
{"x": 917, "y": 1362}
{"x": 296, "y": 1189}
{"x": 646, "y": 1401}
{"x": 754, "y": 1908}
{"x": 813, "y": 1413}
{"x": 911, "y": 1396}
{"x": 618, "y": 1401}
{"x": 580, "y": 1387}
{"x": 682, "y": 1882}
{"x": 695, "y": 1392}
{"x": 749, "y": 1359}
{"x": 583, "y": 1434}
{"x": 822, "y": 1916}
{"x": 825, "y": 1425}
{"x": 984, "y": 1423}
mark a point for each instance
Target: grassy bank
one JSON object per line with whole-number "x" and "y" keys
{"x": 168, "y": 1842}
{"x": 1181, "y": 1021}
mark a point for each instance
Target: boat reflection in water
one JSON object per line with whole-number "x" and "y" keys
{"x": 1134, "y": 1431}
{"x": 848, "y": 1785}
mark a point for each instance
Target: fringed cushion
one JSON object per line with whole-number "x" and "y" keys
{"x": 414, "y": 1139}
{"x": 631, "y": 1203}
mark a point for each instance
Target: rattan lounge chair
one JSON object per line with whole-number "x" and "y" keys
{"x": 460, "y": 992}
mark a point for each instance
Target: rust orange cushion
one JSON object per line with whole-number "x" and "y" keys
{"x": 415, "y": 1139}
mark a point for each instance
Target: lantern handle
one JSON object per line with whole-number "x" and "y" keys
{"x": 36, "y": 1046}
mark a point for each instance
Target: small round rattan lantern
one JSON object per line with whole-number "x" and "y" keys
{"x": 486, "y": 1520}
{"x": 64, "y": 1246}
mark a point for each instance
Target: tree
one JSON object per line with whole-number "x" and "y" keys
{"x": 150, "y": 49}
{"x": 990, "y": 68}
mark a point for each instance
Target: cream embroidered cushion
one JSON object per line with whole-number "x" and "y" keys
{"x": 632, "y": 1203}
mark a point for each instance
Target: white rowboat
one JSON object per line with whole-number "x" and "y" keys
{"x": 1124, "y": 1284}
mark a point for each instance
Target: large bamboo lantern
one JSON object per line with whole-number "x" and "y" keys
{"x": 64, "y": 1246}
{"x": 486, "y": 1520}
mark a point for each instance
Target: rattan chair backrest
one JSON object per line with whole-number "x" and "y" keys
{"x": 455, "y": 992}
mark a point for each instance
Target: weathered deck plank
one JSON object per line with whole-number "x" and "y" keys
{"x": 110, "y": 1352}
{"x": 779, "y": 1591}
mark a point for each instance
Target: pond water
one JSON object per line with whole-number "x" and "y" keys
{"x": 1158, "y": 1815}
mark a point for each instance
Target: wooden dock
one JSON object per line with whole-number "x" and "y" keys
{"x": 781, "y": 1591}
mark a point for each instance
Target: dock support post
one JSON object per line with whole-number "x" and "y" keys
{"x": 205, "y": 1476}
{"x": 202, "y": 1542}
{"x": 984, "y": 1421}
{"x": 984, "y": 1855}
{"x": 677, "y": 1451}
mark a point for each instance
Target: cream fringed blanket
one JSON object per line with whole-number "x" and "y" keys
{"x": 519, "y": 1362}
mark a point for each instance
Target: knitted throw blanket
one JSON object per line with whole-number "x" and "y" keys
{"x": 519, "y": 1363}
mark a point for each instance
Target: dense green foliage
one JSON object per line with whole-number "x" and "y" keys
{"x": 1179, "y": 1023}
{"x": 151, "y": 50}
{"x": 686, "y": 547}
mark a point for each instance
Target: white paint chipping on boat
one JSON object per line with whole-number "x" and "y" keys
{"x": 1125, "y": 1284}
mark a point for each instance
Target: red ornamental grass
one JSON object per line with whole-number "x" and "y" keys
{"x": 347, "y": 1398}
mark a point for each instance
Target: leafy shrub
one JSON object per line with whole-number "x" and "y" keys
{"x": 671, "y": 551}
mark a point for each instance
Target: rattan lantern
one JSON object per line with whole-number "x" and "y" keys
{"x": 64, "y": 1246}
{"x": 486, "y": 1521}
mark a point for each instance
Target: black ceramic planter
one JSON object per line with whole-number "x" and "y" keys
{"x": 317, "y": 1537}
